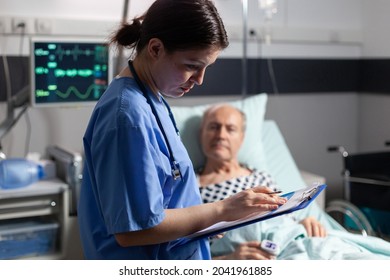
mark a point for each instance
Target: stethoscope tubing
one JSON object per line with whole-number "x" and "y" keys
{"x": 174, "y": 165}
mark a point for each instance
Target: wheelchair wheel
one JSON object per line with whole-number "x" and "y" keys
{"x": 342, "y": 211}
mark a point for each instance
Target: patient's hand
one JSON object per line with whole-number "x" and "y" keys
{"x": 247, "y": 251}
{"x": 218, "y": 236}
{"x": 313, "y": 227}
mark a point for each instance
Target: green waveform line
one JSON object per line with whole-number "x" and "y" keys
{"x": 75, "y": 52}
{"x": 99, "y": 52}
{"x": 77, "y": 92}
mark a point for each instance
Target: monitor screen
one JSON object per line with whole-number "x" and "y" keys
{"x": 69, "y": 71}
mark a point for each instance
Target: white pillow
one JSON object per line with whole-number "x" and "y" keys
{"x": 251, "y": 153}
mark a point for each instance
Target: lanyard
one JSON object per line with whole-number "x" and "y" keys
{"x": 174, "y": 165}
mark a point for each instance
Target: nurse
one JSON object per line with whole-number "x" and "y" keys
{"x": 139, "y": 195}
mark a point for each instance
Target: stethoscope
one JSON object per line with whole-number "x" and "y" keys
{"x": 174, "y": 165}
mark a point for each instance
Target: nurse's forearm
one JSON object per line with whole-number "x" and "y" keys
{"x": 177, "y": 223}
{"x": 184, "y": 221}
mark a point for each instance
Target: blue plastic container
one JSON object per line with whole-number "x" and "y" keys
{"x": 19, "y": 172}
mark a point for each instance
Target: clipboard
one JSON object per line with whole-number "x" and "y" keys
{"x": 297, "y": 200}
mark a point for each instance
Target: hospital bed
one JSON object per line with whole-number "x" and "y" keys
{"x": 265, "y": 148}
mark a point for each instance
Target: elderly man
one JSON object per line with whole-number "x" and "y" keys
{"x": 222, "y": 134}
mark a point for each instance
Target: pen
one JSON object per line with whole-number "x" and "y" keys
{"x": 275, "y": 192}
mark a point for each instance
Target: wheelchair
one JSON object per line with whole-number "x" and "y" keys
{"x": 365, "y": 207}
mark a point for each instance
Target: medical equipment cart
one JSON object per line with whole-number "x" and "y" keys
{"x": 34, "y": 221}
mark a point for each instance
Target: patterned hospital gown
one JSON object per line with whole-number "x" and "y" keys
{"x": 232, "y": 186}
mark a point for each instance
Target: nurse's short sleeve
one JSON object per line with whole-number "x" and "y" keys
{"x": 129, "y": 186}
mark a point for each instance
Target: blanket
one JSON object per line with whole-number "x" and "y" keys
{"x": 294, "y": 243}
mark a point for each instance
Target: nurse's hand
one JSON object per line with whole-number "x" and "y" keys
{"x": 250, "y": 201}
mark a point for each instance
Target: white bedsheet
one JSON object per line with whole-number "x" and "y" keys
{"x": 295, "y": 245}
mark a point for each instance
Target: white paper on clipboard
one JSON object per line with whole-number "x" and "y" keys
{"x": 295, "y": 199}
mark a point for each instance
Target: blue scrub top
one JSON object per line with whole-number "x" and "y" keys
{"x": 127, "y": 181}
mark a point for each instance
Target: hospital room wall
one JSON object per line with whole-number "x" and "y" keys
{"x": 302, "y": 29}
{"x": 374, "y": 110}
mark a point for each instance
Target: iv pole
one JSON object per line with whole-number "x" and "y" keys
{"x": 270, "y": 7}
{"x": 20, "y": 99}
{"x": 244, "y": 63}
{"x": 123, "y": 20}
